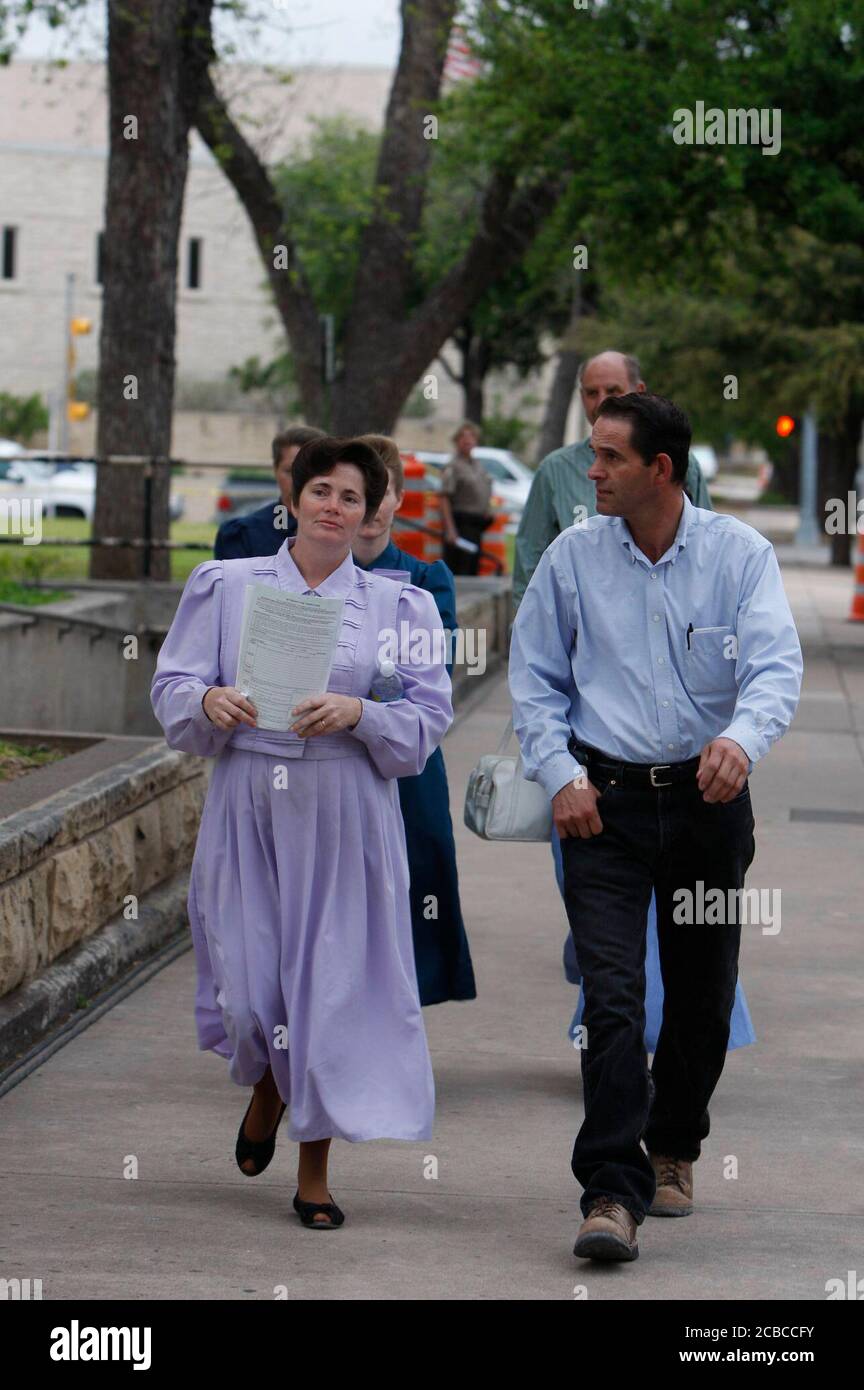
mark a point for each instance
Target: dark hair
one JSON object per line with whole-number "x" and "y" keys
{"x": 657, "y": 426}
{"x": 468, "y": 425}
{"x": 296, "y": 437}
{"x": 321, "y": 455}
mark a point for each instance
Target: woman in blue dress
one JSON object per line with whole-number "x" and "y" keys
{"x": 441, "y": 953}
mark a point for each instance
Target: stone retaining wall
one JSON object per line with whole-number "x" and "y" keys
{"x": 78, "y": 679}
{"x": 74, "y": 860}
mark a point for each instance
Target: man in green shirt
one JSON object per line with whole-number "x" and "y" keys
{"x": 561, "y": 493}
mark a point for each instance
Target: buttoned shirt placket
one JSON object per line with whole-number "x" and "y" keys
{"x": 656, "y": 618}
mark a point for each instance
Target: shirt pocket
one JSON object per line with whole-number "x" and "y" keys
{"x": 709, "y": 661}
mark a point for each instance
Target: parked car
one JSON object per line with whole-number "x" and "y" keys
{"x": 65, "y": 486}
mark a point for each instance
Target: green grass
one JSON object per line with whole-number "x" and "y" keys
{"x": 50, "y": 563}
{"x": 13, "y": 592}
{"x": 16, "y": 760}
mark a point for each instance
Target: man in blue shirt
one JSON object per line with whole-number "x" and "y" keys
{"x": 654, "y": 660}
{"x": 262, "y": 532}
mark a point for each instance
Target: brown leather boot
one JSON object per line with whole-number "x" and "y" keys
{"x": 674, "y": 1196}
{"x": 607, "y": 1233}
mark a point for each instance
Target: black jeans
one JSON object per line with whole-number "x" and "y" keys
{"x": 666, "y": 839}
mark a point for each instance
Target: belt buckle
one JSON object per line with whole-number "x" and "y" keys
{"x": 660, "y": 767}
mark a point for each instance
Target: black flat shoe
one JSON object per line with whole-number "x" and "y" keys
{"x": 308, "y": 1210}
{"x": 260, "y": 1150}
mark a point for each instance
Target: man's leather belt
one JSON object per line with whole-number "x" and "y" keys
{"x": 654, "y": 775}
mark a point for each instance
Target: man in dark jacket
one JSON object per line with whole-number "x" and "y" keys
{"x": 262, "y": 532}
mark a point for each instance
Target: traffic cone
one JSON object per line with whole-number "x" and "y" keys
{"x": 856, "y": 612}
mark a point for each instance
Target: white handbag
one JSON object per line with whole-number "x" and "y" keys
{"x": 501, "y": 804}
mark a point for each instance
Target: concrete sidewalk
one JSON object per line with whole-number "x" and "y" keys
{"x": 499, "y": 1220}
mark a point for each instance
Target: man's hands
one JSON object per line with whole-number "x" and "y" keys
{"x": 723, "y": 769}
{"x": 574, "y": 809}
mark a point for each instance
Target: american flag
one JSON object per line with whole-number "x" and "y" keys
{"x": 460, "y": 63}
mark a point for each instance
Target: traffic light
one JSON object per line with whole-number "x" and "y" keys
{"x": 78, "y": 328}
{"x": 785, "y": 426}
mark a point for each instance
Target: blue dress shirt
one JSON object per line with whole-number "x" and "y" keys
{"x": 649, "y": 662}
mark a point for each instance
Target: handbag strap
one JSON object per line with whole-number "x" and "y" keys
{"x": 505, "y": 737}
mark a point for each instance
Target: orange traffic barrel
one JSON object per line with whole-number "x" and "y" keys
{"x": 856, "y": 612}
{"x": 494, "y": 541}
{"x": 413, "y": 508}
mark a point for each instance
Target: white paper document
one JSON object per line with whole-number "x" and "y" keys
{"x": 287, "y": 644}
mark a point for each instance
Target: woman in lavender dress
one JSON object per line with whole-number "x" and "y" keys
{"x": 298, "y": 899}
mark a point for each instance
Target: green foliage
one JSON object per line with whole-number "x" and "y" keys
{"x": 328, "y": 199}
{"x": 787, "y": 322}
{"x": 272, "y": 385}
{"x": 502, "y": 431}
{"x": 22, "y": 416}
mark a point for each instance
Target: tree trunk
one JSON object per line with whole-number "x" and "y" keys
{"x": 149, "y": 127}
{"x": 838, "y": 460}
{"x": 475, "y": 369}
{"x": 563, "y": 383}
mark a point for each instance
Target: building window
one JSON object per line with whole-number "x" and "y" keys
{"x": 194, "y": 257}
{"x": 100, "y": 253}
{"x": 9, "y": 254}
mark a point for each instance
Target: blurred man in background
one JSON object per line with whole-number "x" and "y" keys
{"x": 262, "y": 532}
{"x": 561, "y": 492}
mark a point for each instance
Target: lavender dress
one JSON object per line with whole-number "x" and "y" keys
{"x": 298, "y": 898}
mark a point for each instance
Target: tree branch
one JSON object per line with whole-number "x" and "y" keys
{"x": 384, "y": 273}
{"x": 253, "y": 186}
{"x": 509, "y": 221}
{"x": 454, "y": 376}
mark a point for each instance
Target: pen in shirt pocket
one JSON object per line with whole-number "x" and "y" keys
{"x": 689, "y": 634}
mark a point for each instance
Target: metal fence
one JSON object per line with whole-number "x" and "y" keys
{"x": 147, "y": 541}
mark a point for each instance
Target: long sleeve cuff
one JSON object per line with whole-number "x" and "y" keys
{"x": 742, "y": 732}
{"x": 372, "y": 722}
{"x": 557, "y": 771}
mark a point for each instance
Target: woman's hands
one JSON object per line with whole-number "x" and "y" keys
{"x": 226, "y": 707}
{"x": 326, "y": 714}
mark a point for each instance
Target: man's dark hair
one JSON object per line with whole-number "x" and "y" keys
{"x": 321, "y": 455}
{"x": 295, "y": 437}
{"x": 657, "y": 426}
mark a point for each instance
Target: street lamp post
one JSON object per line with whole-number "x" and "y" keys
{"x": 808, "y": 533}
